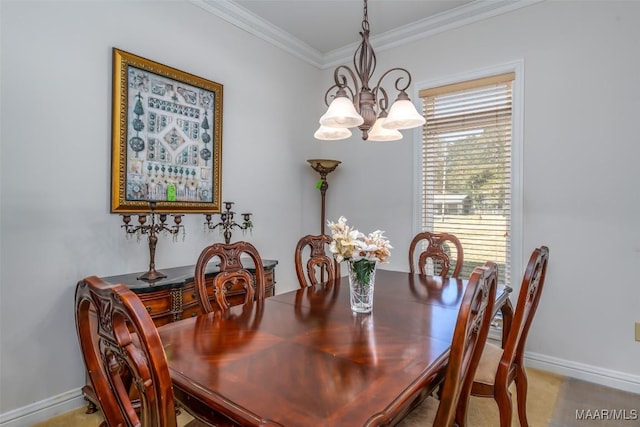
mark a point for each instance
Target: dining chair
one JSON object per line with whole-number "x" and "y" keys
{"x": 123, "y": 354}
{"x": 234, "y": 277}
{"x": 469, "y": 337}
{"x": 501, "y": 366}
{"x": 441, "y": 250}
{"x": 319, "y": 266}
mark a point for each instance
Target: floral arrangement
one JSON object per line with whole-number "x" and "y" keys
{"x": 360, "y": 250}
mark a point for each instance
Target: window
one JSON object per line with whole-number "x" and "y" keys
{"x": 466, "y": 181}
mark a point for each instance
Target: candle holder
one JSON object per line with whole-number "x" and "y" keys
{"x": 227, "y": 224}
{"x": 152, "y": 231}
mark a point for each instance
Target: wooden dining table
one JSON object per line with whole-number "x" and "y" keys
{"x": 303, "y": 358}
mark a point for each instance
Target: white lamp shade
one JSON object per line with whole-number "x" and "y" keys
{"x": 378, "y": 133}
{"x": 341, "y": 114}
{"x": 331, "y": 134}
{"x": 403, "y": 115}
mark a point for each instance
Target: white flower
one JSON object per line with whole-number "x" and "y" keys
{"x": 351, "y": 245}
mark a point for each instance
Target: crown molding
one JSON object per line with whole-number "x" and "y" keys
{"x": 468, "y": 14}
{"x": 476, "y": 11}
{"x": 253, "y": 24}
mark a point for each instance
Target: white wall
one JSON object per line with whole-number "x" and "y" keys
{"x": 56, "y": 149}
{"x": 581, "y": 152}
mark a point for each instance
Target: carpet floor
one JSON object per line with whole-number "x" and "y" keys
{"x": 553, "y": 401}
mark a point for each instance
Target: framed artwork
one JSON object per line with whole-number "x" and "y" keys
{"x": 166, "y": 138}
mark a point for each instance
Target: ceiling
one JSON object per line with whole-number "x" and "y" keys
{"x": 326, "y": 32}
{"x": 329, "y": 25}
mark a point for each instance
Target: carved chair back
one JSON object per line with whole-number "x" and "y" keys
{"x": 528, "y": 299}
{"x": 469, "y": 337}
{"x": 320, "y": 266}
{"x": 121, "y": 348}
{"x": 501, "y": 366}
{"x": 233, "y": 275}
{"x": 442, "y": 249}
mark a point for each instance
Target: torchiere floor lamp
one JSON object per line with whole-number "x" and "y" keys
{"x": 323, "y": 167}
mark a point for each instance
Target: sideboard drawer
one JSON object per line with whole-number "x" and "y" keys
{"x": 190, "y": 301}
{"x": 192, "y": 311}
{"x": 190, "y": 294}
{"x": 270, "y": 282}
{"x": 157, "y": 303}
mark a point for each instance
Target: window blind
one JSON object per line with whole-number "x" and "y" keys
{"x": 466, "y": 168}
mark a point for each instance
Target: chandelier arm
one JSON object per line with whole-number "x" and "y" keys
{"x": 341, "y": 83}
{"x": 341, "y": 80}
{"x": 398, "y": 80}
{"x": 329, "y": 94}
{"x": 383, "y": 102}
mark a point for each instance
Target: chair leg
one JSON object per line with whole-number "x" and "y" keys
{"x": 521, "y": 398}
{"x": 461, "y": 411}
{"x": 503, "y": 399}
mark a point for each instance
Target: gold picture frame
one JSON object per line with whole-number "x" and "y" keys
{"x": 166, "y": 138}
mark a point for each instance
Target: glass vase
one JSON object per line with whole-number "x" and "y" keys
{"x": 362, "y": 275}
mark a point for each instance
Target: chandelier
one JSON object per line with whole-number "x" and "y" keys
{"x": 365, "y": 106}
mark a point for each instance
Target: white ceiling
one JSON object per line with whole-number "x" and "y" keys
{"x": 326, "y": 32}
{"x": 328, "y": 25}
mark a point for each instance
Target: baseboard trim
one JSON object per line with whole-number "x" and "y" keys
{"x": 581, "y": 371}
{"x": 43, "y": 410}
{"x": 71, "y": 400}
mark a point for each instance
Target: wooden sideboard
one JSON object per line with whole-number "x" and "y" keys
{"x": 175, "y": 298}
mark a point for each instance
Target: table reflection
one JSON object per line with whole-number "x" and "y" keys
{"x": 321, "y": 300}
{"x": 435, "y": 289}
{"x": 237, "y": 325}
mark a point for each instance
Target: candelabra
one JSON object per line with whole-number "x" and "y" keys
{"x": 152, "y": 231}
{"x": 323, "y": 167}
{"x": 227, "y": 223}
